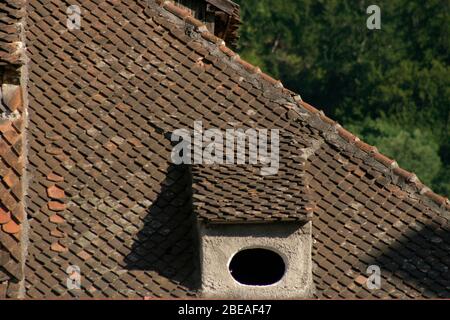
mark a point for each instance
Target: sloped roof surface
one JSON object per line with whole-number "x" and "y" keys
{"x": 104, "y": 196}
{"x": 12, "y": 142}
{"x": 11, "y": 203}
{"x": 96, "y": 106}
{"x": 366, "y": 215}
{"x": 103, "y": 102}
{"x": 11, "y": 13}
{"x": 239, "y": 194}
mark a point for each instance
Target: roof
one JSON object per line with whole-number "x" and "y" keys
{"x": 103, "y": 194}
{"x": 11, "y": 12}
{"x": 11, "y": 203}
{"x": 12, "y": 148}
{"x": 240, "y": 194}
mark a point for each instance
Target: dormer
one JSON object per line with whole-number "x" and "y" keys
{"x": 254, "y": 236}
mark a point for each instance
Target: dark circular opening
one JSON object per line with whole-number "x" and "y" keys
{"x": 257, "y": 267}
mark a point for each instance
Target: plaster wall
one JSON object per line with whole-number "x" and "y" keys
{"x": 219, "y": 243}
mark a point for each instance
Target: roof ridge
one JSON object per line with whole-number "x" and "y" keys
{"x": 372, "y": 151}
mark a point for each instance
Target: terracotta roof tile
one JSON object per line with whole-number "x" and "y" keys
{"x": 57, "y": 247}
{"x": 56, "y": 206}
{"x": 5, "y": 216}
{"x": 54, "y": 177}
{"x": 57, "y": 233}
{"x": 11, "y": 227}
{"x": 55, "y": 218}
{"x": 55, "y": 192}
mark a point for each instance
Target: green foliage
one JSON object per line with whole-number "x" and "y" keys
{"x": 392, "y": 86}
{"x": 417, "y": 148}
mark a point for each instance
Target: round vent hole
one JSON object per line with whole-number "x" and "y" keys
{"x": 257, "y": 267}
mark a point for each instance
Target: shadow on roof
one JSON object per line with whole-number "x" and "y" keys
{"x": 166, "y": 245}
{"x": 420, "y": 259}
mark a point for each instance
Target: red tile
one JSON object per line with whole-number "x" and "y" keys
{"x": 56, "y": 206}
{"x": 11, "y": 227}
{"x": 5, "y": 216}
{"x": 57, "y": 247}
{"x": 54, "y": 177}
{"x": 55, "y": 192}
{"x": 56, "y": 219}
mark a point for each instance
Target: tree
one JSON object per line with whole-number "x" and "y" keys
{"x": 398, "y": 76}
{"x": 417, "y": 146}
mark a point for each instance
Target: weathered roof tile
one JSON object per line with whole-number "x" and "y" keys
{"x": 11, "y": 13}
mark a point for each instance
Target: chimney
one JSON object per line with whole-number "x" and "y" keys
{"x": 222, "y": 17}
